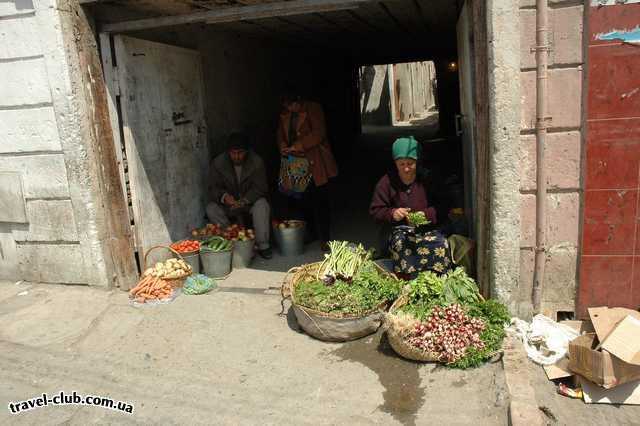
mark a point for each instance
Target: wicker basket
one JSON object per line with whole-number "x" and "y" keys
{"x": 175, "y": 282}
{"x": 328, "y": 326}
{"x": 397, "y": 341}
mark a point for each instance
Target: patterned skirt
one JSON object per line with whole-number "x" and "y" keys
{"x": 414, "y": 252}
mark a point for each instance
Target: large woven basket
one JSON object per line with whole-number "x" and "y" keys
{"x": 398, "y": 342}
{"x": 175, "y": 282}
{"x": 328, "y": 326}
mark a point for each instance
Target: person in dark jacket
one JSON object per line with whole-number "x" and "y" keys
{"x": 398, "y": 193}
{"x": 238, "y": 186}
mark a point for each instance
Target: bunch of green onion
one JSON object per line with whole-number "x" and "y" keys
{"x": 344, "y": 260}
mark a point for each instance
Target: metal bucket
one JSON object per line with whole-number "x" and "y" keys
{"x": 193, "y": 259}
{"x": 216, "y": 264}
{"x": 290, "y": 240}
{"x": 242, "y": 253}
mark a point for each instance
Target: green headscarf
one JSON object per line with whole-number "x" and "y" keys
{"x": 405, "y": 148}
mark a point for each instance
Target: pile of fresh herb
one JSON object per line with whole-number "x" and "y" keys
{"x": 367, "y": 290}
{"x": 429, "y": 291}
{"x": 417, "y": 218}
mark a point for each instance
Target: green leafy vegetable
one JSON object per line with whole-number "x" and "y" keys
{"x": 366, "y": 291}
{"x": 417, "y": 218}
{"x": 429, "y": 290}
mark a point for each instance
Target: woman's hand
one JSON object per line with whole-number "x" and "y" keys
{"x": 400, "y": 214}
{"x": 297, "y": 148}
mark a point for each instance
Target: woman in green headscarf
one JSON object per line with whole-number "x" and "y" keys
{"x": 398, "y": 193}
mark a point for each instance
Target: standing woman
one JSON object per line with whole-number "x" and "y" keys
{"x": 307, "y": 162}
{"x": 399, "y": 192}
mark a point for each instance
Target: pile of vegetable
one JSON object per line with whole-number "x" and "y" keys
{"x": 285, "y": 224}
{"x": 447, "y": 317}
{"x": 169, "y": 269}
{"x": 238, "y": 233}
{"x": 417, "y": 218}
{"x": 232, "y": 232}
{"x": 348, "y": 283}
{"x": 343, "y": 261}
{"x": 198, "y": 284}
{"x": 151, "y": 288}
{"x": 208, "y": 231}
{"x": 216, "y": 244}
{"x": 186, "y": 246}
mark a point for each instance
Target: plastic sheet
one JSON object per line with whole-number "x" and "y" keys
{"x": 545, "y": 341}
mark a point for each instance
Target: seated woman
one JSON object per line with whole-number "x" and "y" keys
{"x": 399, "y": 192}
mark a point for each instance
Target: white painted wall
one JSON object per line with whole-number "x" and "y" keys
{"x": 40, "y": 141}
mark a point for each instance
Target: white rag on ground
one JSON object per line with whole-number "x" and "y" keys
{"x": 545, "y": 341}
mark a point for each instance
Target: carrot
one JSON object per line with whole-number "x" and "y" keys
{"x": 138, "y": 286}
{"x": 142, "y": 289}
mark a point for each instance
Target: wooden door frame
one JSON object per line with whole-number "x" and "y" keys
{"x": 478, "y": 11}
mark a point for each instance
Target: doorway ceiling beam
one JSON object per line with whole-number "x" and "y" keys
{"x": 420, "y": 10}
{"x": 393, "y": 18}
{"x": 363, "y": 21}
{"x": 236, "y": 13}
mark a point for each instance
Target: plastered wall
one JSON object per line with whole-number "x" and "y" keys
{"x": 563, "y": 155}
{"x": 49, "y": 231}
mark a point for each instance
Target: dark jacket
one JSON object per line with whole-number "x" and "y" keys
{"x": 391, "y": 193}
{"x": 253, "y": 181}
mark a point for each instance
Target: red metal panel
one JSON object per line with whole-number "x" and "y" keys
{"x": 604, "y": 19}
{"x": 610, "y": 257}
{"x": 614, "y": 81}
{"x": 603, "y": 280}
{"x": 613, "y": 154}
{"x": 609, "y": 222}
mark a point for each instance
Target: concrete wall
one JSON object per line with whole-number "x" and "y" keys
{"x": 563, "y": 156}
{"x": 45, "y": 168}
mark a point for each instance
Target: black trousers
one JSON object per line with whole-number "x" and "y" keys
{"x": 314, "y": 208}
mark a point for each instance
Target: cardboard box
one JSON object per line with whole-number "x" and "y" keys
{"x": 581, "y": 327}
{"x": 559, "y": 370}
{"x": 600, "y": 367}
{"x": 624, "y": 341}
{"x": 605, "y": 319}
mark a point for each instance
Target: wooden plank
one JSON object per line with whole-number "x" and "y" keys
{"x": 118, "y": 248}
{"x": 481, "y": 140}
{"x": 164, "y": 135}
{"x": 238, "y": 13}
{"x": 401, "y": 26}
{"x": 112, "y": 92}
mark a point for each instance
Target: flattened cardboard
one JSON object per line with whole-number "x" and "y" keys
{"x": 600, "y": 367}
{"x": 624, "y": 341}
{"x": 559, "y": 370}
{"x": 605, "y": 319}
{"x": 628, "y": 393}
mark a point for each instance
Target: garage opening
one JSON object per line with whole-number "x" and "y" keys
{"x": 183, "y": 76}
